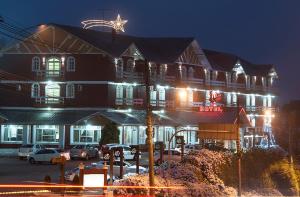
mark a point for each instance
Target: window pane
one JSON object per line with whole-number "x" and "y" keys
{"x": 12, "y": 133}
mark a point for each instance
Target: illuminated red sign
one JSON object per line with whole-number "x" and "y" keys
{"x": 214, "y": 96}
{"x": 210, "y": 109}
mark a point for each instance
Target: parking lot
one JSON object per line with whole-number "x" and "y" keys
{"x": 13, "y": 170}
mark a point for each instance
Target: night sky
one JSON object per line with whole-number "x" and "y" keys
{"x": 261, "y": 31}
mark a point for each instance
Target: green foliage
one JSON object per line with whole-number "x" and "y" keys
{"x": 110, "y": 134}
{"x": 263, "y": 168}
{"x": 283, "y": 177}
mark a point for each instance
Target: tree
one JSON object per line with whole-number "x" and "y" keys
{"x": 110, "y": 134}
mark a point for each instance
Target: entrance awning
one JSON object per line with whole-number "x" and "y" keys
{"x": 224, "y": 130}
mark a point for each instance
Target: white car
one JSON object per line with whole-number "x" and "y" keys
{"x": 127, "y": 151}
{"x": 188, "y": 148}
{"x": 127, "y": 167}
{"x": 44, "y": 155}
{"x": 27, "y": 149}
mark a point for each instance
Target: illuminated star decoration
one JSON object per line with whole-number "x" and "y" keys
{"x": 117, "y": 24}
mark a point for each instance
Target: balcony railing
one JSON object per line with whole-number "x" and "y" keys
{"x": 217, "y": 83}
{"x": 259, "y": 109}
{"x": 194, "y": 80}
{"x": 129, "y": 102}
{"x": 49, "y": 73}
{"x": 132, "y": 75}
{"x": 236, "y": 85}
{"x": 49, "y": 100}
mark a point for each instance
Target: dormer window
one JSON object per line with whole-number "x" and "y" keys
{"x": 130, "y": 65}
{"x": 191, "y": 73}
{"x": 119, "y": 68}
{"x": 71, "y": 64}
{"x": 35, "y": 63}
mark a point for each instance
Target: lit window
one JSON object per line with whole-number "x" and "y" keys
{"x": 47, "y": 134}
{"x": 119, "y": 95}
{"x": 70, "y": 91}
{"x": 12, "y": 133}
{"x": 35, "y": 64}
{"x": 53, "y": 67}
{"x": 84, "y": 134}
{"x": 71, "y": 64}
{"x": 35, "y": 90}
{"x": 52, "y": 93}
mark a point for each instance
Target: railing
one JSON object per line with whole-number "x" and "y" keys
{"x": 50, "y": 73}
{"x": 127, "y": 101}
{"x": 259, "y": 109}
{"x": 132, "y": 75}
{"x": 236, "y": 85}
{"x": 193, "y": 80}
{"x": 170, "y": 78}
{"x": 49, "y": 100}
{"x": 217, "y": 83}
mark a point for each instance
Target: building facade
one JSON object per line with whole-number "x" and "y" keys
{"x": 60, "y": 85}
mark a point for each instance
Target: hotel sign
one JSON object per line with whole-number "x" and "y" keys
{"x": 213, "y": 98}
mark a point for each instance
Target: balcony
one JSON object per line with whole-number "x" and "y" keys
{"x": 49, "y": 100}
{"x": 259, "y": 109}
{"x": 49, "y": 73}
{"x": 134, "y": 76}
{"x": 129, "y": 102}
{"x": 193, "y": 80}
{"x": 236, "y": 85}
{"x": 217, "y": 83}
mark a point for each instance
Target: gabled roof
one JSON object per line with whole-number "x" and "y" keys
{"x": 226, "y": 61}
{"x": 157, "y": 49}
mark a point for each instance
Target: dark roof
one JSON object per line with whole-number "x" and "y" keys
{"x": 157, "y": 49}
{"x": 136, "y": 117}
{"x": 226, "y": 61}
{"x": 43, "y": 117}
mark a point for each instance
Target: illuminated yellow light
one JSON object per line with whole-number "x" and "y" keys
{"x": 182, "y": 94}
{"x": 117, "y": 24}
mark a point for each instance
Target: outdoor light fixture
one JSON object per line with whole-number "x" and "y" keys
{"x": 182, "y": 94}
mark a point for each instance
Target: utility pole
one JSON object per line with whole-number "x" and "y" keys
{"x": 238, "y": 148}
{"x": 149, "y": 128}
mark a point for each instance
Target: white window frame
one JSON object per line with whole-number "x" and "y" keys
{"x": 9, "y": 127}
{"x": 43, "y": 128}
{"x": 36, "y": 63}
{"x": 35, "y": 88}
{"x": 54, "y": 71}
{"x": 81, "y": 129}
{"x": 70, "y": 90}
{"x": 71, "y": 64}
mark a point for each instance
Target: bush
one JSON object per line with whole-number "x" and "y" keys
{"x": 282, "y": 177}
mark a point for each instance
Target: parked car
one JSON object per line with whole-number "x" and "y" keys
{"x": 188, "y": 148}
{"x": 44, "y": 155}
{"x": 64, "y": 153}
{"x": 129, "y": 154}
{"x": 25, "y": 150}
{"x": 84, "y": 152}
{"x": 215, "y": 147}
{"x": 71, "y": 174}
{"x": 175, "y": 155}
{"x": 127, "y": 167}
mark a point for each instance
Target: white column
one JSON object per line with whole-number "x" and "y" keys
{"x": 25, "y": 134}
{"x": 61, "y": 129}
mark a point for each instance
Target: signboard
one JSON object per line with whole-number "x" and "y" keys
{"x": 61, "y": 159}
{"x": 210, "y": 109}
{"x": 93, "y": 180}
{"x": 218, "y": 131}
{"x": 214, "y": 96}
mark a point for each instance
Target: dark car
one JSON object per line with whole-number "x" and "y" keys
{"x": 84, "y": 152}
